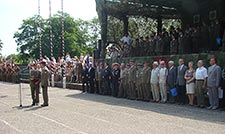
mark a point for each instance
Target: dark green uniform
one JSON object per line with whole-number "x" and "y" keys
{"x": 35, "y": 79}
{"x": 44, "y": 84}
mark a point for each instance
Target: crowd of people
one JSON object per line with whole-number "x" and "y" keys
{"x": 9, "y": 72}
{"x": 172, "y": 42}
{"x": 161, "y": 83}
{"x": 68, "y": 67}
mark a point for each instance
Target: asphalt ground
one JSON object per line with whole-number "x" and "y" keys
{"x": 72, "y": 112}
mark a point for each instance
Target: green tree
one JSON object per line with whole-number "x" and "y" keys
{"x": 75, "y": 41}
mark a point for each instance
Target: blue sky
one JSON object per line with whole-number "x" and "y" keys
{"x": 12, "y": 12}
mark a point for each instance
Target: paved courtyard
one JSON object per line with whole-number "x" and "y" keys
{"x": 71, "y": 112}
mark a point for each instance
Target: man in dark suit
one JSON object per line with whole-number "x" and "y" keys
{"x": 172, "y": 78}
{"x": 91, "y": 78}
{"x": 107, "y": 76}
{"x": 84, "y": 79}
{"x": 181, "y": 82}
{"x": 115, "y": 79}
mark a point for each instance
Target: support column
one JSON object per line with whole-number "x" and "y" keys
{"x": 125, "y": 24}
{"x": 104, "y": 26}
{"x": 159, "y": 26}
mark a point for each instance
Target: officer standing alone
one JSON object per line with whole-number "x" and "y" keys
{"x": 44, "y": 82}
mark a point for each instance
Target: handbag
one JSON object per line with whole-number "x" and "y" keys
{"x": 173, "y": 92}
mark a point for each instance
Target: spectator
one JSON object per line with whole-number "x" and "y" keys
{"x": 163, "y": 73}
{"x": 126, "y": 39}
{"x": 190, "y": 85}
{"x": 171, "y": 78}
{"x": 181, "y": 82}
{"x": 155, "y": 81}
{"x": 201, "y": 77}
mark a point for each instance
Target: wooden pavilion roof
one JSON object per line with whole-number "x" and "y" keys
{"x": 168, "y": 9}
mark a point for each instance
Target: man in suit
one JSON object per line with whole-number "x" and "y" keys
{"x": 91, "y": 78}
{"x": 107, "y": 76}
{"x": 84, "y": 79}
{"x": 181, "y": 82}
{"x": 213, "y": 82}
{"x": 171, "y": 78}
{"x": 44, "y": 82}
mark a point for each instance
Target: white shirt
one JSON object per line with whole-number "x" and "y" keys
{"x": 155, "y": 76}
{"x": 201, "y": 73}
{"x": 126, "y": 39}
{"x": 181, "y": 66}
{"x": 163, "y": 72}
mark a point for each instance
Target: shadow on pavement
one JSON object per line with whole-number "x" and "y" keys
{"x": 189, "y": 112}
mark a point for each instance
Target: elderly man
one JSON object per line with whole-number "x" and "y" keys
{"x": 171, "y": 78}
{"x": 181, "y": 83}
{"x": 201, "y": 77}
{"x": 155, "y": 81}
{"x": 213, "y": 82}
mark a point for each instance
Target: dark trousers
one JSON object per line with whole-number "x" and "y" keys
{"x": 115, "y": 88}
{"x": 84, "y": 85}
{"x": 97, "y": 87}
{"x": 107, "y": 89}
{"x": 91, "y": 87}
{"x": 181, "y": 94}
{"x": 45, "y": 94}
{"x": 172, "y": 98}
{"x": 35, "y": 90}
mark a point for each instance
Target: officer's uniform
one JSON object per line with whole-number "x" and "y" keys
{"x": 122, "y": 87}
{"x": 145, "y": 83}
{"x": 35, "y": 79}
{"x": 45, "y": 83}
{"x": 138, "y": 82}
{"x": 132, "y": 79}
{"x": 98, "y": 74}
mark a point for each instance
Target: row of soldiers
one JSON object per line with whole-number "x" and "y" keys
{"x": 9, "y": 72}
{"x": 124, "y": 81}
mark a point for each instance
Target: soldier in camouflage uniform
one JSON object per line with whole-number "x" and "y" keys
{"x": 35, "y": 79}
